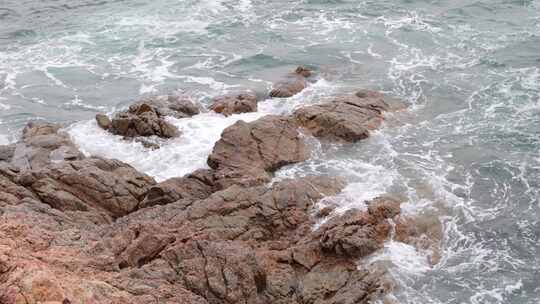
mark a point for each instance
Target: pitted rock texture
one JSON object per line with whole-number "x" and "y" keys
{"x": 346, "y": 117}
{"x": 197, "y": 185}
{"x": 147, "y": 117}
{"x": 240, "y": 245}
{"x": 292, "y": 84}
{"x": 105, "y": 188}
{"x": 247, "y": 153}
{"x": 235, "y": 103}
{"x": 41, "y": 144}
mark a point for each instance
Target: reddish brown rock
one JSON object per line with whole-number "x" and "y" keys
{"x": 97, "y": 231}
{"x": 240, "y": 245}
{"x": 248, "y": 153}
{"x": 235, "y": 103}
{"x": 384, "y": 207}
{"x": 106, "y": 187}
{"x": 354, "y": 234}
{"x": 347, "y": 117}
{"x": 197, "y": 185}
{"x": 424, "y": 232}
{"x": 292, "y": 84}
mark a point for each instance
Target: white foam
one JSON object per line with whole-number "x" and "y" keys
{"x": 4, "y": 140}
{"x": 77, "y": 101}
{"x": 4, "y": 106}
{"x": 176, "y": 157}
{"x": 405, "y": 258}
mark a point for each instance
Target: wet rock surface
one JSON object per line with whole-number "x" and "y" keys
{"x": 93, "y": 230}
{"x": 107, "y": 188}
{"x": 424, "y": 232}
{"x": 248, "y": 153}
{"x": 235, "y": 103}
{"x": 347, "y": 117}
{"x": 41, "y": 144}
{"x": 147, "y": 117}
{"x": 292, "y": 84}
{"x": 239, "y": 245}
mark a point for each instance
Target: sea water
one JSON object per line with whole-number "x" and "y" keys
{"x": 466, "y": 150}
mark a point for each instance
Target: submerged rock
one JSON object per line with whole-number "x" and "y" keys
{"x": 235, "y": 103}
{"x": 346, "y": 117}
{"x": 292, "y": 84}
{"x": 424, "y": 232}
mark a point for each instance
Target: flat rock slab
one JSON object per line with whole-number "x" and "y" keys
{"x": 346, "y": 117}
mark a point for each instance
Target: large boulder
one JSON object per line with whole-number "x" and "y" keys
{"x": 41, "y": 144}
{"x": 247, "y": 153}
{"x": 347, "y": 117}
{"x": 292, "y": 84}
{"x": 235, "y": 103}
{"x": 147, "y": 117}
{"x": 108, "y": 188}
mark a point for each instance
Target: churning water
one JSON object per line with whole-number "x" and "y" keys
{"x": 466, "y": 151}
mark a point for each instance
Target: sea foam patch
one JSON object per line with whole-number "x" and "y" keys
{"x": 175, "y": 157}
{"x": 4, "y": 139}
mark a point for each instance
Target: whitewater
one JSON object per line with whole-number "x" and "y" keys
{"x": 464, "y": 153}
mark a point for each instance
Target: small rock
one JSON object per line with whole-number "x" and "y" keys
{"x": 103, "y": 121}
{"x": 147, "y": 117}
{"x": 292, "y": 84}
{"x": 235, "y": 103}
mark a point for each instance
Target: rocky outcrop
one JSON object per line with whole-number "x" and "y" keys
{"x": 239, "y": 245}
{"x": 235, "y": 103}
{"x": 346, "y": 117}
{"x": 197, "y": 185}
{"x": 77, "y": 229}
{"x": 147, "y": 117}
{"x": 41, "y": 144}
{"x": 105, "y": 188}
{"x": 292, "y": 84}
{"x": 248, "y": 153}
